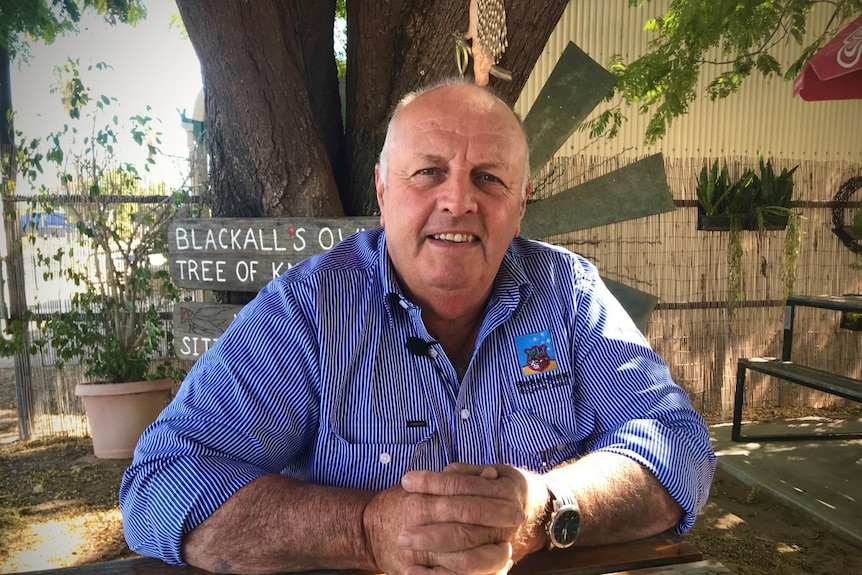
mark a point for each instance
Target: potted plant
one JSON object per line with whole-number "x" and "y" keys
{"x": 753, "y": 201}
{"x": 114, "y": 327}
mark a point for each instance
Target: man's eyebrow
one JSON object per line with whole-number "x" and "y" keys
{"x": 433, "y": 158}
{"x": 492, "y": 165}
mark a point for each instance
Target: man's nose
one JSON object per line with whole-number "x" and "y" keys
{"x": 458, "y": 195}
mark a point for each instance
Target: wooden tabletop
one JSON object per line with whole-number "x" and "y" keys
{"x": 661, "y": 550}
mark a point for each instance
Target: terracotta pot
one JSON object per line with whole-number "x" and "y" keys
{"x": 118, "y": 413}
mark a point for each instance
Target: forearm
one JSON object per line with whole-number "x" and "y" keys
{"x": 276, "y": 523}
{"x": 620, "y": 500}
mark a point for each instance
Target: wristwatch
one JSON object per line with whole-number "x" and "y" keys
{"x": 564, "y": 517}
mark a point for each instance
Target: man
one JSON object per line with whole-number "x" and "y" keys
{"x": 440, "y": 395}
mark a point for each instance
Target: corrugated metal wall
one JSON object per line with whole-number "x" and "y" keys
{"x": 761, "y": 116}
{"x": 687, "y": 269}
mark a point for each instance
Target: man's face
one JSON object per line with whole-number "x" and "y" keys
{"x": 452, "y": 197}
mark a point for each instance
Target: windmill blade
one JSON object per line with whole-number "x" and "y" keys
{"x": 576, "y": 85}
{"x": 637, "y": 190}
{"x": 638, "y": 304}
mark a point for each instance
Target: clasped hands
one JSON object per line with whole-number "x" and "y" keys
{"x": 467, "y": 519}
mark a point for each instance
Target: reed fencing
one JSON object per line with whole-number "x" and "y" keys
{"x": 687, "y": 269}
{"x": 664, "y": 255}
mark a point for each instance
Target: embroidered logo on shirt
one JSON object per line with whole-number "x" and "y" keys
{"x": 536, "y": 352}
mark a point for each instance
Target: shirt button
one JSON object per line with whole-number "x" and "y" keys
{"x": 465, "y": 413}
{"x": 385, "y": 458}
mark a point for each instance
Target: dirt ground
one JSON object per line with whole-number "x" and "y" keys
{"x": 58, "y": 508}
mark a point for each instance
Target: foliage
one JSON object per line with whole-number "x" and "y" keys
{"x": 740, "y": 37}
{"x": 114, "y": 326}
{"x": 747, "y": 202}
{"x": 752, "y": 195}
{"x": 24, "y": 20}
{"x": 857, "y": 223}
{"x": 340, "y": 31}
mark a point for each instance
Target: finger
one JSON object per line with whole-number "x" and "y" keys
{"x": 453, "y": 483}
{"x": 472, "y": 510}
{"x": 484, "y": 471}
{"x": 485, "y": 560}
{"x": 450, "y": 537}
{"x": 489, "y": 473}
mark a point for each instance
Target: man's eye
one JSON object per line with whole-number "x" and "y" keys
{"x": 426, "y": 172}
{"x": 490, "y": 178}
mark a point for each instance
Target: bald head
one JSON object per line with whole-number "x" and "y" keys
{"x": 458, "y": 96}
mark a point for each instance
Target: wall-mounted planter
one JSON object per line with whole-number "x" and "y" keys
{"x": 722, "y": 223}
{"x": 851, "y": 320}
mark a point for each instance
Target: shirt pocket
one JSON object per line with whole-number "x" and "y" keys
{"x": 374, "y": 457}
{"x": 539, "y": 438}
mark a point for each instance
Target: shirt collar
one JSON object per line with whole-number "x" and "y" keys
{"x": 510, "y": 286}
{"x": 394, "y": 298}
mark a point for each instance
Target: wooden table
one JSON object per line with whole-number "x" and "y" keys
{"x": 664, "y": 554}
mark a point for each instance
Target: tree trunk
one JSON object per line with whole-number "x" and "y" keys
{"x": 396, "y": 47}
{"x": 273, "y": 117}
{"x": 272, "y": 144}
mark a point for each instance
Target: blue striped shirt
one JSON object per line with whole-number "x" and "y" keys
{"x": 314, "y": 379}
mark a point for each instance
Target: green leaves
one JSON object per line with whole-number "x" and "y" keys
{"x": 114, "y": 325}
{"x": 857, "y": 223}
{"x": 736, "y": 38}
{"x": 750, "y": 195}
{"x": 21, "y": 21}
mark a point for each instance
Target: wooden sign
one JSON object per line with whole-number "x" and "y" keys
{"x": 197, "y": 326}
{"x": 240, "y": 254}
{"x": 244, "y": 254}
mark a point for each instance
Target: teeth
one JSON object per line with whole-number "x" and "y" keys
{"x": 457, "y": 238}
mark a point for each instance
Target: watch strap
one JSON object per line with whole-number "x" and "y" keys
{"x": 561, "y": 495}
{"x": 560, "y": 498}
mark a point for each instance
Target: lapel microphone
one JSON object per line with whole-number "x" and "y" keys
{"x": 420, "y": 347}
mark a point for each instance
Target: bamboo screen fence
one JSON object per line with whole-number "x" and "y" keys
{"x": 687, "y": 269}
{"x": 666, "y": 256}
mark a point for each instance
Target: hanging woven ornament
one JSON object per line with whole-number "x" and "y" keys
{"x": 491, "y": 27}
{"x": 487, "y": 30}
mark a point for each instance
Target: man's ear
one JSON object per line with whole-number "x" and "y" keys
{"x": 379, "y": 186}
{"x": 528, "y": 189}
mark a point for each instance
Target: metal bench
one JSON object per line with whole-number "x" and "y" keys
{"x": 818, "y": 379}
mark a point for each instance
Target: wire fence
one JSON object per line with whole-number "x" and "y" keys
{"x": 47, "y": 242}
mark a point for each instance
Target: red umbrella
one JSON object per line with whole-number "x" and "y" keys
{"x": 835, "y": 71}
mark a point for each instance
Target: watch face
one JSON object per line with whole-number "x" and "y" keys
{"x": 565, "y": 528}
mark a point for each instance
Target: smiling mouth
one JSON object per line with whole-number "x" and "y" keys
{"x": 455, "y": 238}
